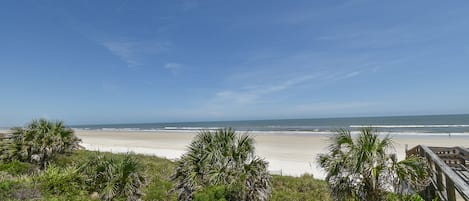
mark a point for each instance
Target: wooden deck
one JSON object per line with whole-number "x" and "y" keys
{"x": 450, "y": 171}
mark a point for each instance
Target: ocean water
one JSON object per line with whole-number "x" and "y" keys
{"x": 405, "y": 125}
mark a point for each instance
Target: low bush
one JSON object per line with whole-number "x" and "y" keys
{"x": 39, "y": 142}
{"x": 18, "y": 188}
{"x": 304, "y": 188}
{"x": 61, "y": 181}
{"x": 397, "y": 197}
{"x": 214, "y": 193}
{"x": 16, "y": 167}
{"x": 114, "y": 177}
{"x": 221, "y": 158}
{"x": 157, "y": 171}
{"x": 159, "y": 189}
{"x": 6, "y": 188}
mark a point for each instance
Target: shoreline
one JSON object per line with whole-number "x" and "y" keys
{"x": 287, "y": 153}
{"x": 278, "y": 132}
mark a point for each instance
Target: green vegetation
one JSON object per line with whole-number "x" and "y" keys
{"x": 61, "y": 181}
{"x": 304, "y": 188}
{"x": 40, "y": 159}
{"x": 113, "y": 177}
{"x": 223, "y": 158}
{"x": 16, "y": 167}
{"x": 39, "y": 142}
{"x": 214, "y": 193}
{"x": 53, "y": 184}
{"x": 361, "y": 168}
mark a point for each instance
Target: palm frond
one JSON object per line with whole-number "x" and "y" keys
{"x": 222, "y": 157}
{"x": 362, "y": 168}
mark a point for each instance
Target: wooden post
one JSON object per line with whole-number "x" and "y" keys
{"x": 439, "y": 179}
{"x": 450, "y": 192}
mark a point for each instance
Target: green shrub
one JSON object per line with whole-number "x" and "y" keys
{"x": 157, "y": 171}
{"x": 299, "y": 188}
{"x": 221, "y": 158}
{"x": 159, "y": 189}
{"x": 39, "y": 142}
{"x": 57, "y": 181}
{"x": 214, "y": 193}
{"x": 6, "y": 187}
{"x": 16, "y": 167}
{"x": 361, "y": 167}
{"x": 18, "y": 188}
{"x": 397, "y": 197}
{"x": 114, "y": 177}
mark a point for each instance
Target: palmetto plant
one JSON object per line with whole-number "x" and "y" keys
{"x": 222, "y": 158}
{"x": 40, "y": 141}
{"x": 114, "y": 177}
{"x": 362, "y": 168}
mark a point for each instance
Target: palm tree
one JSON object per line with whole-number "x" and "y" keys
{"x": 40, "y": 141}
{"x": 222, "y": 158}
{"x": 362, "y": 168}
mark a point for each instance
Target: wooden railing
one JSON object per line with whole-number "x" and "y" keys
{"x": 447, "y": 184}
{"x": 4, "y": 136}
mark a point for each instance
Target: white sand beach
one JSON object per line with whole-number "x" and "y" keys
{"x": 288, "y": 154}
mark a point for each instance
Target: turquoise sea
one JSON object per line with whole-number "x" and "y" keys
{"x": 410, "y": 125}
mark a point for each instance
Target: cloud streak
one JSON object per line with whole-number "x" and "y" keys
{"x": 134, "y": 53}
{"x": 173, "y": 67}
{"x": 125, "y": 51}
{"x": 252, "y": 94}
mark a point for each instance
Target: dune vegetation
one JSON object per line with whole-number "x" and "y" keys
{"x": 361, "y": 168}
{"x": 225, "y": 160}
{"x": 42, "y": 161}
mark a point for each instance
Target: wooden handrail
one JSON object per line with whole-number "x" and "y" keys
{"x": 440, "y": 169}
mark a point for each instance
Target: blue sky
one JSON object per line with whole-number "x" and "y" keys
{"x": 192, "y": 60}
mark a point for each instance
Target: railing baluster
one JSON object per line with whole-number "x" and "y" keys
{"x": 439, "y": 179}
{"x": 450, "y": 192}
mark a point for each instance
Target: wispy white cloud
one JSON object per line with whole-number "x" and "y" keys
{"x": 345, "y": 75}
{"x": 134, "y": 53}
{"x": 125, "y": 51}
{"x": 251, "y": 94}
{"x": 173, "y": 67}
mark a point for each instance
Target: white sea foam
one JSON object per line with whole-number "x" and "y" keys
{"x": 191, "y": 128}
{"x": 409, "y": 126}
{"x": 120, "y": 129}
{"x": 327, "y": 133}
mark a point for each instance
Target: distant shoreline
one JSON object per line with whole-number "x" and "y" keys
{"x": 402, "y": 125}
